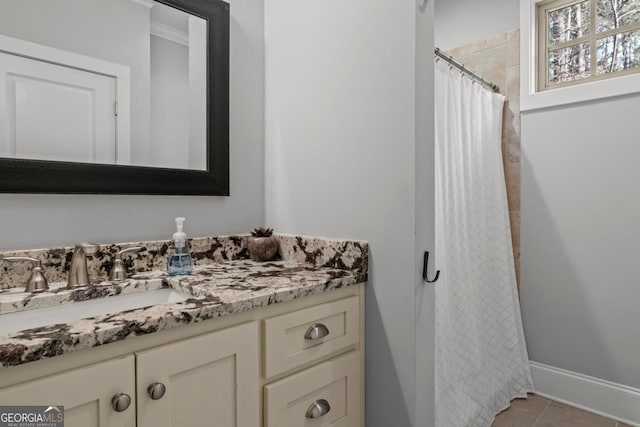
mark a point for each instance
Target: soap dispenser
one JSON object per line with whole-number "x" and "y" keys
{"x": 180, "y": 262}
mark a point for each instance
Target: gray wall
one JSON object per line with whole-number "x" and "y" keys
{"x": 425, "y": 214}
{"x": 459, "y": 22}
{"x": 342, "y": 97}
{"x": 31, "y": 221}
{"x": 170, "y": 102}
{"x": 581, "y": 237}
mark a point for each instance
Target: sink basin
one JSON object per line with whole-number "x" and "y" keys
{"x": 27, "y": 319}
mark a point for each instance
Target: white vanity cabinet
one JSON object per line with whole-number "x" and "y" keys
{"x": 294, "y": 364}
{"x": 209, "y": 380}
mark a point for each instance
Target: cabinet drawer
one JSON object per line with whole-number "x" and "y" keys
{"x": 333, "y": 387}
{"x": 290, "y": 341}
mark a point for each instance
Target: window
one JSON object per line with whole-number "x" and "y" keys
{"x": 581, "y": 41}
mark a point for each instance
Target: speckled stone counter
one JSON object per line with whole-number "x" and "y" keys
{"x": 306, "y": 266}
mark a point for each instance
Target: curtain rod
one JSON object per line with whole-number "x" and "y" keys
{"x": 451, "y": 60}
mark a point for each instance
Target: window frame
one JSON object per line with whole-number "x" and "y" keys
{"x": 531, "y": 98}
{"x": 542, "y": 18}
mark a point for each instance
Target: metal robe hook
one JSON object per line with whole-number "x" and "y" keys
{"x": 425, "y": 267}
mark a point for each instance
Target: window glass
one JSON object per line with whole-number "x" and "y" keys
{"x": 619, "y": 52}
{"x": 614, "y": 14}
{"x": 587, "y": 40}
{"x": 569, "y": 23}
{"x": 569, "y": 63}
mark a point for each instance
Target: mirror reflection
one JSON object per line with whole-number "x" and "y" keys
{"x": 103, "y": 81}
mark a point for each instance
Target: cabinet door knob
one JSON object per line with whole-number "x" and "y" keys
{"x": 318, "y": 409}
{"x": 316, "y": 331}
{"x": 121, "y": 402}
{"x": 156, "y": 391}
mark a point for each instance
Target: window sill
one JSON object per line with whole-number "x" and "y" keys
{"x": 589, "y": 91}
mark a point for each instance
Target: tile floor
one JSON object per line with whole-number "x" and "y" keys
{"x": 536, "y": 411}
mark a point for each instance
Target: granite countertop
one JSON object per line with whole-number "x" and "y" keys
{"x": 216, "y": 289}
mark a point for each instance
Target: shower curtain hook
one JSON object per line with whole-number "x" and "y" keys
{"x": 425, "y": 266}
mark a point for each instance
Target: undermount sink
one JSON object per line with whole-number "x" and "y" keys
{"x": 27, "y": 319}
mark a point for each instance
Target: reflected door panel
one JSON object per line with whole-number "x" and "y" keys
{"x": 53, "y": 112}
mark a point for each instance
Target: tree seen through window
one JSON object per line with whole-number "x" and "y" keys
{"x": 588, "y": 40}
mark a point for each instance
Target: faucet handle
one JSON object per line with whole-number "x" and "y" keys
{"x": 37, "y": 281}
{"x": 128, "y": 250}
{"x": 118, "y": 271}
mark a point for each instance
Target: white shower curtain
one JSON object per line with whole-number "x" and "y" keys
{"x": 481, "y": 357}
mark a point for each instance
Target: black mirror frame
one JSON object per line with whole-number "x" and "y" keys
{"x": 38, "y": 176}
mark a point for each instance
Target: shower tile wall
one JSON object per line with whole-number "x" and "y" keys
{"x": 497, "y": 58}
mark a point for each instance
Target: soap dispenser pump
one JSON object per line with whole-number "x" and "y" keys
{"x": 180, "y": 262}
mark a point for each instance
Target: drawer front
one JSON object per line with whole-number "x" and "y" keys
{"x": 303, "y": 336}
{"x": 327, "y": 395}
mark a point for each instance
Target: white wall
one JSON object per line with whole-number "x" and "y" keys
{"x": 341, "y": 130}
{"x": 30, "y": 221}
{"x": 581, "y": 237}
{"x": 459, "y": 22}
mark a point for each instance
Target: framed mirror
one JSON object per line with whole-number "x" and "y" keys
{"x": 114, "y": 97}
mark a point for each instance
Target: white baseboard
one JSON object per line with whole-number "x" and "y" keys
{"x": 601, "y": 397}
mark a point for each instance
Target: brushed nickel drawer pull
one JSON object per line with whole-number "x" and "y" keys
{"x": 316, "y": 331}
{"x": 318, "y": 409}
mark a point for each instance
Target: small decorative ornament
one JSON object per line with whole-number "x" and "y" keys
{"x": 262, "y": 246}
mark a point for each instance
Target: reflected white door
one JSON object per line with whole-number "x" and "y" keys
{"x": 54, "y": 112}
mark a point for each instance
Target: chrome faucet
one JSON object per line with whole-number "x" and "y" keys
{"x": 78, "y": 273}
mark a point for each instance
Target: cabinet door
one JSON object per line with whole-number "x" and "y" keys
{"x": 210, "y": 380}
{"x": 85, "y": 393}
